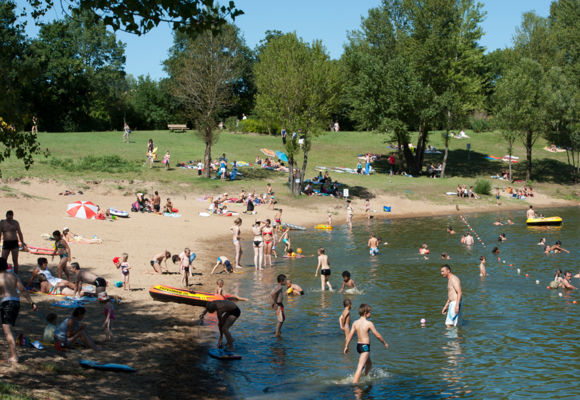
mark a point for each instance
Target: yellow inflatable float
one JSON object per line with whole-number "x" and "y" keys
{"x": 544, "y": 221}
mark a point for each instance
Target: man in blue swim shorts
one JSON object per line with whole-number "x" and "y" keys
{"x": 373, "y": 245}
{"x": 453, "y": 305}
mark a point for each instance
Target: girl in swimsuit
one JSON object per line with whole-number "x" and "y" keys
{"x": 285, "y": 239}
{"x": 236, "y": 240}
{"x": 268, "y": 236}
{"x": 61, "y": 248}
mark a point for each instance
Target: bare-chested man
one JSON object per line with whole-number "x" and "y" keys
{"x": 157, "y": 203}
{"x": 84, "y": 276}
{"x": 565, "y": 283}
{"x": 10, "y": 290}
{"x": 454, "y": 297}
{"x": 10, "y": 233}
{"x": 373, "y": 245}
{"x": 158, "y": 259}
{"x": 531, "y": 213}
{"x": 468, "y": 239}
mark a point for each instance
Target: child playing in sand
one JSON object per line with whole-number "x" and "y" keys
{"x": 158, "y": 259}
{"x": 109, "y": 316}
{"x": 124, "y": 265}
{"x": 285, "y": 238}
{"x": 344, "y": 319}
{"x": 223, "y": 261}
{"x": 324, "y": 267}
{"x": 166, "y": 159}
{"x": 184, "y": 264}
{"x": 277, "y": 296}
{"x": 347, "y": 282}
{"x": 362, "y": 326}
{"x": 168, "y": 207}
{"x": 48, "y": 335}
{"x": 482, "y": 271}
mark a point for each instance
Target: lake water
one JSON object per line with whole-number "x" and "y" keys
{"x": 519, "y": 340}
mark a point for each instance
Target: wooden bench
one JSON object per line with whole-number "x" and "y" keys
{"x": 177, "y": 127}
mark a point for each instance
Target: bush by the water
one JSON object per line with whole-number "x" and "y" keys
{"x": 482, "y": 186}
{"x": 111, "y": 164}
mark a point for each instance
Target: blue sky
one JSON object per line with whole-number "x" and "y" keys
{"x": 328, "y": 20}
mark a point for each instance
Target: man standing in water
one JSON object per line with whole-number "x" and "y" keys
{"x": 454, "y": 297}
{"x": 10, "y": 232}
{"x": 277, "y": 296}
{"x": 531, "y": 213}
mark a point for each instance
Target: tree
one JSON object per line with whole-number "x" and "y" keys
{"x": 82, "y": 75}
{"x": 298, "y": 88}
{"x": 413, "y": 67}
{"x": 139, "y": 17}
{"x": 148, "y": 104}
{"x": 520, "y": 98}
{"x": 205, "y": 70}
{"x": 22, "y": 144}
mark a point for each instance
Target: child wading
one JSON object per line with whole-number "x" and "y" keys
{"x": 362, "y": 326}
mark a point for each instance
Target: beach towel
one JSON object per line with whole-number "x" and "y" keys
{"x": 452, "y": 318}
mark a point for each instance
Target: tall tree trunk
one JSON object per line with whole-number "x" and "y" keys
{"x": 299, "y": 186}
{"x": 529, "y": 145}
{"x": 291, "y": 173}
{"x": 207, "y": 156}
{"x": 510, "y": 150}
{"x": 446, "y": 154}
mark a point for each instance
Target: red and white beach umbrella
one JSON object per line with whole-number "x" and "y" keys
{"x": 82, "y": 209}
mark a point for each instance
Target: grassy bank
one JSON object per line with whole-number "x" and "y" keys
{"x": 78, "y": 157}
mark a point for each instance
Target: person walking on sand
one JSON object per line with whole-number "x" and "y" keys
{"x": 361, "y": 327}
{"x": 11, "y": 234}
{"x": 236, "y": 231}
{"x": 324, "y": 267}
{"x": 453, "y": 306}
{"x": 277, "y": 297}
{"x": 10, "y": 290}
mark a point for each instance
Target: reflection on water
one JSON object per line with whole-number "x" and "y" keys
{"x": 519, "y": 339}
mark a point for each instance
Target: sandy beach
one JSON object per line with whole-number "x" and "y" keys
{"x": 161, "y": 340}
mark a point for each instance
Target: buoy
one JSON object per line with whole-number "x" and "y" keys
{"x": 548, "y": 287}
{"x": 423, "y": 321}
{"x": 504, "y": 261}
{"x": 537, "y": 282}
{"x": 527, "y": 275}
{"x": 299, "y": 250}
{"x": 511, "y": 265}
{"x": 560, "y": 294}
{"x": 574, "y": 302}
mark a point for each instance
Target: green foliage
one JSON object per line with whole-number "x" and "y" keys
{"x": 149, "y": 104}
{"x": 111, "y": 164}
{"x": 482, "y": 186}
{"x": 22, "y": 144}
{"x": 254, "y": 125}
{"x": 231, "y": 124}
{"x": 139, "y": 17}
{"x": 479, "y": 121}
{"x": 82, "y": 79}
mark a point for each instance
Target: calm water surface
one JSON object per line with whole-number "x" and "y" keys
{"x": 519, "y": 340}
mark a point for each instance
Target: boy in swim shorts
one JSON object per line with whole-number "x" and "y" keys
{"x": 362, "y": 326}
{"x": 158, "y": 259}
{"x": 184, "y": 266}
{"x": 223, "y": 260}
{"x": 277, "y": 296}
{"x": 324, "y": 267}
{"x": 373, "y": 245}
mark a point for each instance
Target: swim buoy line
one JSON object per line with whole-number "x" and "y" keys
{"x": 502, "y": 260}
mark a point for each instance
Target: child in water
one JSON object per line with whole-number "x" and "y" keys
{"x": 220, "y": 290}
{"x": 361, "y": 327}
{"x": 347, "y": 282}
{"x": 344, "y": 319}
{"x": 324, "y": 267}
{"x": 482, "y": 271}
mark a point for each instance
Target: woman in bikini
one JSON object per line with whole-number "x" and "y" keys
{"x": 236, "y": 240}
{"x": 268, "y": 236}
{"x": 258, "y": 245}
{"x": 61, "y": 248}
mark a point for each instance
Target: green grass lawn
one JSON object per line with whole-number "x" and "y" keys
{"x": 77, "y": 157}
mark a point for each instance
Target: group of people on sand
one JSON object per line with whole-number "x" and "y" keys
{"x": 464, "y": 192}
{"x": 523, "y": 193}
{"x": 152, "y": 205}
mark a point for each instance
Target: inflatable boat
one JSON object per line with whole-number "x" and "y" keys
{"x": 544, "y": 221}
{"x": 166, "y": 293}
{"x": 323, "y": 227}
{"x": 119, "y": 213}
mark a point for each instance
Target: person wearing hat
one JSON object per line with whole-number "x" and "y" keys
{"x": 84, "y": 276}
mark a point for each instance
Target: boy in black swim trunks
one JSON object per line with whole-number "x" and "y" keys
{"x": 227, "y": 313}
{"x": 324, "y": 267}
{"x": 362, "y": 326}
{"x": 277, "y": 296}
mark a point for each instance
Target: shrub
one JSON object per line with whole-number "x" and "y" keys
{"x": 230, "y": 124}
{"x": 482, "y": 186}
{"x": 479, "y": 121}
{"x": 253, "y": 125}
{"x": 110, "y": 164}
